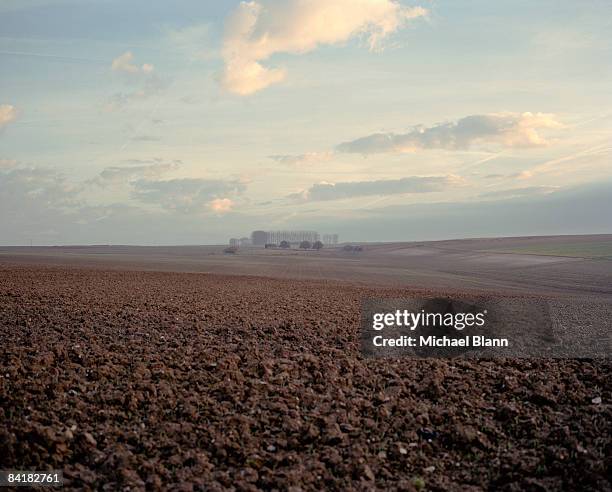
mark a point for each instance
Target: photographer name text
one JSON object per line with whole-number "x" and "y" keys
{"x": 413, "y": 320}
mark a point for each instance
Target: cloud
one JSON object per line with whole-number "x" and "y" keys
{"x": 43, "y": 205}
{"x": 7, "y": 163}
{"x": 8, "y": 113}
{"x": 27, "y": 188}
{"x": 33, "y": 201}
{"x": 258, "y": 29}
{"x": 523, "y": 175}
{"x": 146, "y": 138}
{"x": 352, "y": 189}
{"x": 519, "y": 192}
{"x": 151, "y": 86}
{"x": 143, "y": 169}
{"x": 505, "y": 129}
{"x": 187, "y": 195}
{"x": 124, "y": 63}
{"x": 302, "y": 159}
{"x": 221, "y": 205}
{"x": 143, "y": 80}
{"x": 567, "y": 211}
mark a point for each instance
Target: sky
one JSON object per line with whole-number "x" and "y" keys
{"x": 189, "y": 122}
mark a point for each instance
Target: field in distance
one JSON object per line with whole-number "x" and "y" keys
{"x": 576, "y": 265}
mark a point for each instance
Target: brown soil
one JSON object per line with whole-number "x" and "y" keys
{"x": 178, "y": 381}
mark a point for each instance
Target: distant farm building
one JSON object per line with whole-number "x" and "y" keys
{"x": 292, "y": 237}
{"x": 329, "y": 239}
{"x": 234, "y": 242}
{"x": 259, "y": 238}
{"x": 263, "y": 238}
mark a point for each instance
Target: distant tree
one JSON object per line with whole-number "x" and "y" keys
{"x": 305, "y": 245}
{"x": 285, "y": 244}
{"x": 317, "y": 245}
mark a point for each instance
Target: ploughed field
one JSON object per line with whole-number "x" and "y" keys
{"x": 182, "y": 380}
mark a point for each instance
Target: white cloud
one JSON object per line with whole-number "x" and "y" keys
{"x": 124, "y": 63}
{"x": 258, "y": 29}
{"x": 120, "y": 100}
{"x": 221, "y": 205}
{"x": 145, "y": 169}
{"x": 143, "y": 77}
{"x": 523, "y": 175}
{"x": 146, "y": 138}
{"x": 149, "y": 85}
{"x": 520, "y": 192}
{"x": 26, "y": 188}
{"x": 505, "y": 129}
{"x": 7, "y": 163}
{"x": 8, "y": 113}
{"x": 302, "y": 159}
{"x": 351, "y": 189}
{"x": 187, "y": 195}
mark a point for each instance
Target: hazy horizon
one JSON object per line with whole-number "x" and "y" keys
{"x": 340, "y": 243}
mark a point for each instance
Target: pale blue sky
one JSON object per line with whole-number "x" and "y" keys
{"x": 121, "y": 117}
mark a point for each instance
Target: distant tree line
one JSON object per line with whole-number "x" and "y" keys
{"x": 305, "y": 245}
{"x": 317, "y": 245}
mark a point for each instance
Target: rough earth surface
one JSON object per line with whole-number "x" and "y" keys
{"x": 178, "y": 381}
